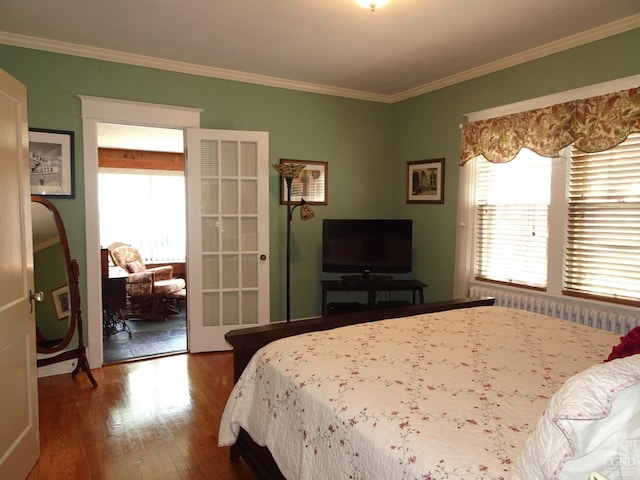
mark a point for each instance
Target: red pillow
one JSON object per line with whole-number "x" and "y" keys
{"x": 629, "y": 345}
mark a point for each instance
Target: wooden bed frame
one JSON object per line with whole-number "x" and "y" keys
{"x": 246, "y": 342}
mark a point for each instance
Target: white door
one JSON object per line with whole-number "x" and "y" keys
{"x": 19, "y": 435}
{"x": 228, "y": 243}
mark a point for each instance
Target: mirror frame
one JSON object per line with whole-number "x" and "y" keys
{"x": 73, "y": 300}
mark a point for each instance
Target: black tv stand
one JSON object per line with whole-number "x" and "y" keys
{"x": 364, "y": 278}
{"x": 371, "y": 287}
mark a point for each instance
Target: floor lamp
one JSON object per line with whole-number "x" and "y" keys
{"x": 289, "y": 171}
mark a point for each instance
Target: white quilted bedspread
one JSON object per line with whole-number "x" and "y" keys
{"x": 449, "y": 395}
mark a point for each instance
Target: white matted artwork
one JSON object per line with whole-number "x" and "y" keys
{"x": 60, "y": 298}
{"x": 425, "y": 181}
{"x": 51, "y": 163}
{"x": 311, "y": 184}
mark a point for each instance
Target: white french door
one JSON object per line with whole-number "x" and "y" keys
{"x": 228, "y": 242}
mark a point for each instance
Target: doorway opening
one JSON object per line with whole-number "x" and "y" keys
{"x": 142, "y": 224}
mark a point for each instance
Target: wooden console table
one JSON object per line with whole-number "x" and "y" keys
{"x": 371, "y": 287}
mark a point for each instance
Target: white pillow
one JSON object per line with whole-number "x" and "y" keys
{"x": 591, "y": 424}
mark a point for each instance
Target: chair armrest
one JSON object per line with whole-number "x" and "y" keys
{"x": 164, "y": 272}
{"x": 139, "y": 284}
{"x": 141, "y": 277}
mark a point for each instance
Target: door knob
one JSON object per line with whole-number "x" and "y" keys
{"x": 37, "y": 296}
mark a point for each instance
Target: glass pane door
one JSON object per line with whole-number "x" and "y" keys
{"x": 228, "y": 224}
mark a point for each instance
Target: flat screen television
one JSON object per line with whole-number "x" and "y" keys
{"x": 366, "y": 246}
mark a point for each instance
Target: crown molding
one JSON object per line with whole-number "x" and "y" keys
{"x": 77, "y": 50}
{"x": 583, "y": 38}
{"x": 596, "y": 89}
{"x": 36, "y": 43}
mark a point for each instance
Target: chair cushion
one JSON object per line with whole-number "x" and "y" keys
{"x": 165, "y": 287}
{"x": 178, "y": 295}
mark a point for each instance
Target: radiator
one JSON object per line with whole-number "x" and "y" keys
{"x": 614, "y": 319}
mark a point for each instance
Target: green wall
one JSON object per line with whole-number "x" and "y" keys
{"x": 428, "y": 127}
{"x": 367, "y": 144}
{"x": 353, "y": 136}
{"x": 50, "y": 273}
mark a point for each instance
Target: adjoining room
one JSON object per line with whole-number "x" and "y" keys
{"x": 142, "y": 213}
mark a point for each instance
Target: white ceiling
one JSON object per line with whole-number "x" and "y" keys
{"x": 403, "y": 49}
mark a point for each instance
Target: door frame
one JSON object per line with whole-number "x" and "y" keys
{"x": 106, "y": 110}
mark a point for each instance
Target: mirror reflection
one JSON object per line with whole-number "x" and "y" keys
{"x": 50, "y": 276}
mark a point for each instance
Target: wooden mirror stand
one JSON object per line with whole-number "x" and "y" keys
{"x": 58, "y": 320}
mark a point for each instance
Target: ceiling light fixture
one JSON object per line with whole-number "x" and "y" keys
{"x": 371, "y": 4}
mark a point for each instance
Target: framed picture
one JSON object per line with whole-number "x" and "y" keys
{"x": 51, "y": 162}
{"x": 311, "y": 183}
{"x": 425, "y": 181}
{"x": 60, "y": 298}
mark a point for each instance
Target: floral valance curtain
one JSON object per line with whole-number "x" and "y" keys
{"x": 593, "y": 125}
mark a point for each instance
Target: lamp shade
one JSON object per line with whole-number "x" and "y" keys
{"x": 288, "y": 170}
{"x": 305, "y": 212}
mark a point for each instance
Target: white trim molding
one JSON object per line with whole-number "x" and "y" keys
{"x": 573, "y": 41}
{"x": 183, "y": 67}
{"x": 67, "y": 48}
{"x": 96, "y": 110}
{"x": 556, "y": 98}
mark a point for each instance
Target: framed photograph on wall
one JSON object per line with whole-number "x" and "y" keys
{"x": 425, "y": 181}
{"x": 51, "y": 163}
{"x": 60, "y": 298}
{"x": 311, "y": 184}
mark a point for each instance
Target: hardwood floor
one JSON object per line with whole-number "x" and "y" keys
{"x": 153, "y": 419}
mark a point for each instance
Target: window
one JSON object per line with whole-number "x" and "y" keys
{"x": 597, "y": 211}
{"x": 512, "y": 203}
{"x": 603, "y": 234}
{"x": 144, "y": 208}
{"x": 585, "y": 256}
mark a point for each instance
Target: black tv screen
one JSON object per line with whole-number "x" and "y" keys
{"x": 364, "y": 246}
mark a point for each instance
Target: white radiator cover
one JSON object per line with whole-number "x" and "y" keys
{"x": 612, "y": 318}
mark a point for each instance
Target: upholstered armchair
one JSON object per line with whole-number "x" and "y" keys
{"x": 147, "y": 288}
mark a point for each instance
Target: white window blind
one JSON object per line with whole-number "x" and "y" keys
{"x": 603, "y": 233}
{"x": 512, "y": 203}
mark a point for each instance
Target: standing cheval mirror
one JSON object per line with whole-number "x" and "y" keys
{"x": 57, "y": 306}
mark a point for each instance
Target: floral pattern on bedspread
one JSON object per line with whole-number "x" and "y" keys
{"x": 449, "y": 395}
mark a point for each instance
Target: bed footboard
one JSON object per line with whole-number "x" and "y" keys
{"x": 258, "y": 458}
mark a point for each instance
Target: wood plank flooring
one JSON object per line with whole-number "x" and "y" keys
{"x": 154, "y": 419}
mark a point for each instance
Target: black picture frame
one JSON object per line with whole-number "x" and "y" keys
{"x": 52, "y": 163}
{"x": 425, "y": 181}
